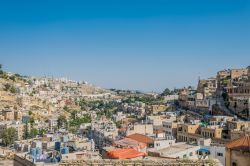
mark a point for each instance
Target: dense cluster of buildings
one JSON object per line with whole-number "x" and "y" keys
{"x": 172, "y": 129}
{"x": 230, "y": 90}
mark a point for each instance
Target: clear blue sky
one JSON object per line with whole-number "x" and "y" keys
{"x": 128, "y": 44}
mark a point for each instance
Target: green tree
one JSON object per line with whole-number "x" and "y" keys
{"x": 13, "y": 78}
{"x": 13, "y": 89}
{"x": 167, "y": 92}
{"x": 80, "y": 120}
{"x": 118, "y": 124}
{"x": 42, "y": 132}
{"x": 9, "y": 136}
{"x": 33, "y": 133}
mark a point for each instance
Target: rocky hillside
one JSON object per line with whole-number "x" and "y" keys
{"x": 25, "y": 92}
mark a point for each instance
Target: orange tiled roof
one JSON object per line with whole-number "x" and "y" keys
{"x": 240, "y": 144}
{"x": 141, "y": 138}
{"x": 125, "y": 154}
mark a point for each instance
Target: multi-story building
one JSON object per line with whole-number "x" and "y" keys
{"x": 145, "y": 129}
{"x": 103, "y": 133}
{"x": 237, "y": 125}
{"x": 155, "y": 120}
{"x": 207, "y": 88}
{"x": 188, "y": 132}
{"x": 187, "y": 98}
{"x": 170, "y": 128}
{"x": 239, "y": 96}
{"x": 205, "y": 97}
{"x": 206, "y": 104}
{"x": 225, "y": 76}
{"x": 213, "y": 132}
{"x": 237, "y": 129}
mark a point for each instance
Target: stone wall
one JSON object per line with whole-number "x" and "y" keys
{"x": 19, "y": 161}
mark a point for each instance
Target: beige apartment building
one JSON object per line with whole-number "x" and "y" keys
{"x": 207, "y": 87}
{"x": 237, "y": 129}
{"x": 213, "y": 132}
{"x": 239, "y": 97}
{"x": 170, "y": 128}
{"x": 188, "y": 132}
{"x": 237, "y": 125}
{"x": 187, "y": 98}
{"x": 145, "y": 129}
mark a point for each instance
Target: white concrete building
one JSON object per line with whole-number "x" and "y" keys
{"x": 179, "y": 151}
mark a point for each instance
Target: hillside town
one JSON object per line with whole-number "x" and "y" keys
{"x": 50, "y": 121}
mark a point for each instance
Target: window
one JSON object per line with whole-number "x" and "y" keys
{"x": 234, "y": 164}
{"x": 191, "y": 154}
{"x": 184, "y": 156}
{"x": 220, "y": 154}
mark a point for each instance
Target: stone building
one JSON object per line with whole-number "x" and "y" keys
{"x": 238, "y": 152}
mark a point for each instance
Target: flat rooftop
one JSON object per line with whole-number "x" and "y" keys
{"x": 176, "y": 148}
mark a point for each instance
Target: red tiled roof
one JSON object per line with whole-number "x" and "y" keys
{"x": 240, "y": 144}
{"x": 125, "y": 154}
{"x": 141, "y": 138}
